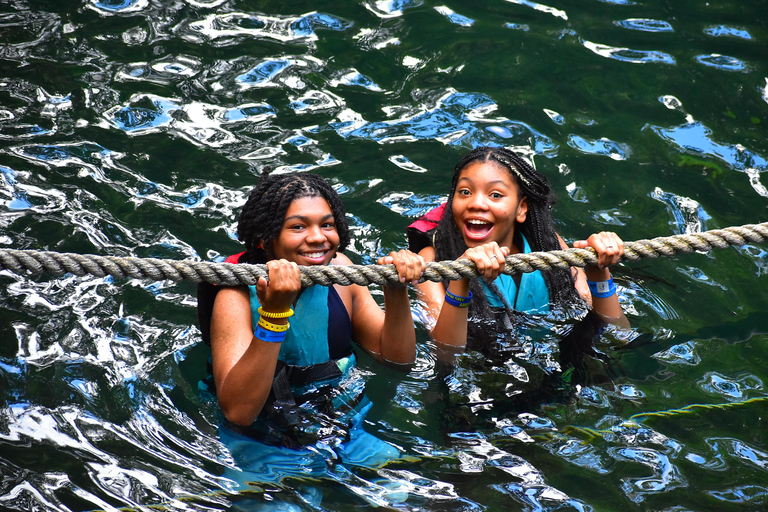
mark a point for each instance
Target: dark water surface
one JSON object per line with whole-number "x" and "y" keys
{"x": 137, "y": 127}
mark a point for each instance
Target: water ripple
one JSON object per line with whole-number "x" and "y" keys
{"x": 645, "y": 25}
{"x": 197, "y": 122}
{"x": 666, "y": 476}
{"x": 680, "y": 354}
{"x": 118, "y": 6}
{"x": 695, "y": 138}
{"x": 453, "y": 118}
{"x": 723, "y": 62}
{"x": 541, "y": 8}
{"x": 232, "y": 26}
{"x": 602, "y": 146}
{"x": 717, "y": 384}
{"x": 753, "y": 457}
{"x": 390, "y": 8}
{"x": 726, "y": 31}
{"x": 453, "y": 17}
{"x": 689, "y": 216}
{"x": 629, "y": 55}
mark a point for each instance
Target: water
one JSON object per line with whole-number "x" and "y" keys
{"x": 136, "y": 127}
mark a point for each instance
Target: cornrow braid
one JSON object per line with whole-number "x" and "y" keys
{"x": 538, "y": 227}
{"x": 261, "y": 219}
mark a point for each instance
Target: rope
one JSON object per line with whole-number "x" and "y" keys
{"x": 230, "y": 274}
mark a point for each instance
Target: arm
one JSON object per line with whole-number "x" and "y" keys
{"x": 244, "y": 365}
{"x": 450, "y": 322}
{"x": 609, "y": 248}
{"x": 388, "y": 335}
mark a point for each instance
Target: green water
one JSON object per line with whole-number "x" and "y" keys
{"x": 138, "y": 128}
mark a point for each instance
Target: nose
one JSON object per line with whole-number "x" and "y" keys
{"x": 315, "y": 235}
{"x": 478, "y": 202}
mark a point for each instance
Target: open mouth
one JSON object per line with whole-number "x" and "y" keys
{"x": 477, "y": 229}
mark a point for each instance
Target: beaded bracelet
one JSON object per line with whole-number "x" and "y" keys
{"x": 602, "y": 289}
{"x": 457, "y": 300}
{"x": 268, "y": 336}
{"x": 272, "y": 327}
{"x": 269, "y": 314}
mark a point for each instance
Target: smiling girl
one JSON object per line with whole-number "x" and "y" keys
{"x": 499, "y": 205}
{"x": 282, "y": 358}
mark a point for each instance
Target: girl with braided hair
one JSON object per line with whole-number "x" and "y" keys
{"x": 282, "y": 361}
{"x": 500, "y": 205}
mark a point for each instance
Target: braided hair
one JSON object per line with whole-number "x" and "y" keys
{"x": 262, "y": 216}
{"x": 538, "y": 227}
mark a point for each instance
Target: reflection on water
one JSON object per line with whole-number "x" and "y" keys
{"x": 137, "y": 128}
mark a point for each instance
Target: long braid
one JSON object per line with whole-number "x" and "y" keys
{"x": 538, "y": 227}
{"x": 261, "y": 219}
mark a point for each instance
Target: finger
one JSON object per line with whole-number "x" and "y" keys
{"x": 614, "y": 247}
{"x": 497, "y": 262}
{"x": 261, "y": 288}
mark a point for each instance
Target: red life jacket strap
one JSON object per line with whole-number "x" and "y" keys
{"x": 419, "y": 231}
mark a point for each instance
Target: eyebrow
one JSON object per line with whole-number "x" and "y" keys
{"x": 306, "y": 218}
{"x": 494, "y": 182}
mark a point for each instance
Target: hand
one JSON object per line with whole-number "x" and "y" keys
{"x": 489, "y": 259}
{"x": 279, "y": 293}
{"x": 410, "y": 266}
{"x": 608, "y": 245}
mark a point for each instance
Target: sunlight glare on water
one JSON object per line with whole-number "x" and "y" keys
{"x": 138, "y": 128}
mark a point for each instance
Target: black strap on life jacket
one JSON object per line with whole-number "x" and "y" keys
{"x": 206, "y": 295}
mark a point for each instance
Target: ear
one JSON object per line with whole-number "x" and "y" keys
{"x": 522, "y": 211}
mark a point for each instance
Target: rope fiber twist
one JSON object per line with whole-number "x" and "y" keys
{"x": 230, "y": 274}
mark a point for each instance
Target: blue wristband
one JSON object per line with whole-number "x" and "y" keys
{"x": 602, "y": 289}
{"x": 457, "y": 300}
{"x": 269, "y": 336}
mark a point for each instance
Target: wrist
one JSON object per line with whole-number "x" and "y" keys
{"x": 277, "y": 315}
{"x": 602, "y": 289}
{"x": 597, "y": 273}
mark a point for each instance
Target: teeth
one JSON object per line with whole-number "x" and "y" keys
{"x": 475, "y": 221}
{"x": 314, "y": 254}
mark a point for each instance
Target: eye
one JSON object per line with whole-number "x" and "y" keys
{"x": 496, "y": 195}
{"x": 463, "y": 192}
{"x": 296, "y": 227}
{"x": 329, "y": 225}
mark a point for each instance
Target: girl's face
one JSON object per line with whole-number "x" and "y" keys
{"x": 308, "y": 235}
{"x": 486, "y": 205}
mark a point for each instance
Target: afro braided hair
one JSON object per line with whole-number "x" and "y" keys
{"x": 538, "y": 227}
{"x": 261, "y": 219}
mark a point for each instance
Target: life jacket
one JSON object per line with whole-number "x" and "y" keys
{"x": 206, "y": 295}
{"x": 311, "y": 360}
{"x": 421, "y": 230}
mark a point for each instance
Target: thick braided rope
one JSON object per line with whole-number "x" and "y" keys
{"x": 229, "y": 274}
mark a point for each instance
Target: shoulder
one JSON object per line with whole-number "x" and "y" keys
{"x": 341, "y": 259}
{"x": 428, "y": 253}
{"x": 230, "y": 297}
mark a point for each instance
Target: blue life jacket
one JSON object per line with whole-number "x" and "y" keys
{"x": 315, "y": 356}
{"x": 532, "y": 295}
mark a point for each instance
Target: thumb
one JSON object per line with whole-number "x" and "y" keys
{"x": 580, "y": 244}
{"x": 261, "y": 288}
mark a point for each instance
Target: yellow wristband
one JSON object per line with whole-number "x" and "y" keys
{"x": 269, "y": 314}
{"x": 273, "y": 327}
